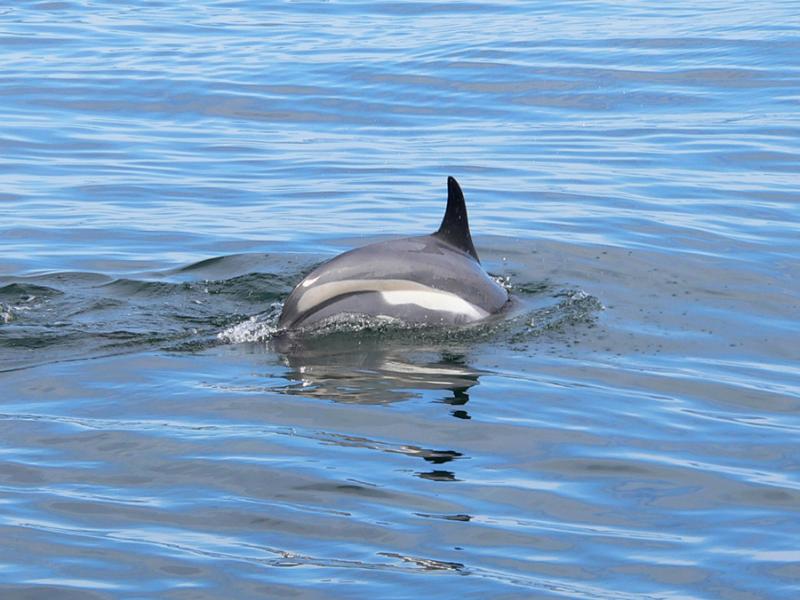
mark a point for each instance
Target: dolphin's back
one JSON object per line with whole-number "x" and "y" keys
{"x": 422, "y": 280}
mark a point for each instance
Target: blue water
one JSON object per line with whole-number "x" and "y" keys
{"x": 168, "y": 171}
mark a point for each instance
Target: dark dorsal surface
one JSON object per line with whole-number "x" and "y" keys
{"x": 455, "y": 227}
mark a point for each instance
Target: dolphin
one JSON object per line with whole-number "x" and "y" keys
{"x": 432, "y": 279}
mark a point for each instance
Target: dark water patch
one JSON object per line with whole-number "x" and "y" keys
{"x": 79, "y": 315}
{"x": 258, "y": 289}
{"x": 278, "y": 270}
{"x": 152, "y": 289}
{"x": 26, "y": 293}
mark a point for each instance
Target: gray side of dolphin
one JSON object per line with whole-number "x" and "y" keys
{"x": 432, "y": 280}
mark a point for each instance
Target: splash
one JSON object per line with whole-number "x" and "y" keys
{"x": 258, "y": 328}
{"x": 6, "y": 314}
{"x": 522, "y": 318}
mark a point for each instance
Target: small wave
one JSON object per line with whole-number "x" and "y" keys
{"x": 129, "y": 288}
{"x": 20, "y": 293}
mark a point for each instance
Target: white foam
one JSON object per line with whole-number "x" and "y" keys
{"x": 257, "y": 328}
{"x": 252, "y": 330}
{"x": 6, "y": 316}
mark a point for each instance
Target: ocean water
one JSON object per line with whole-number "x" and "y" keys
{"x": 168, "y": 171}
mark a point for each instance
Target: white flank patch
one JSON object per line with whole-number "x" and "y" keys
{"x": 435, "y": 300}
{"x": 394, "y": 292}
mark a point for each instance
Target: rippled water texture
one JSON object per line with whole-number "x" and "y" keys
{"x": 169, "y": 170}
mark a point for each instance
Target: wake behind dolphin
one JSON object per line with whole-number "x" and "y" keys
{"x": 433, "y": 279}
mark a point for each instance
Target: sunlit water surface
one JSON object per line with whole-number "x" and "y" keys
{"x": 170, "y": 170}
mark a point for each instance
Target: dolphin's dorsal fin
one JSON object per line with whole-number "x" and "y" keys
{"x": 455, "y": 228}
